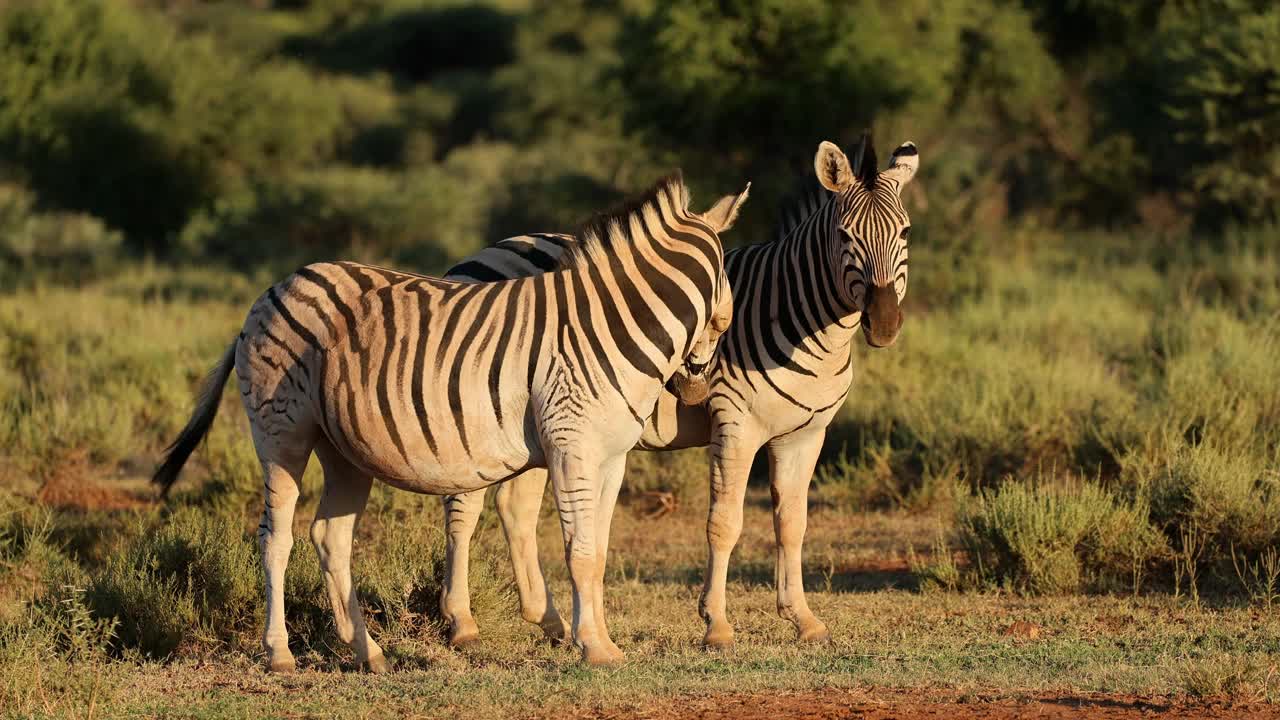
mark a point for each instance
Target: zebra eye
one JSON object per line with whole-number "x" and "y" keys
{"x": 905, "y": 232}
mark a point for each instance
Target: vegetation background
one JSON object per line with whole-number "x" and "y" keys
{"x": 1086, "y": 397}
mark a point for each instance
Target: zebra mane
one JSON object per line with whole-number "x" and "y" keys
{"x": 810, "y": 194}
{"x": 611, "y": 228}
{"x": 798, "y": 205}
{"x": 865, "y": 166}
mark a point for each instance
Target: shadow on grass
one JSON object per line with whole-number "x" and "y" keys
{"x": 864, "y": 579}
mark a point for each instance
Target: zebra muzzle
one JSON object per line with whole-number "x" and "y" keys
{"x": 882, "y": 317}
{"x": 690, "y": 383}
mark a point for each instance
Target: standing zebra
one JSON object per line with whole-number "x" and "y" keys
{"x": 782, "y": 373}
{"x": 439, "y": 387}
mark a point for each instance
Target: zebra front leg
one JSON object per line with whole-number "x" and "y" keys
{"x": 577, "y": 488}
{"x": 791, "y": 463}
{"x": 519, "y": 501}
{"x": 461, "y": 513}
{"x": 346, "y": 491}
{"x": 732, "y": 451}
{"x": 612, "y": 472}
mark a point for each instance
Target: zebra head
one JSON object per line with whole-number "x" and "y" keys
{"x": 871, "y": 229}
{"x": 691, "y": 382}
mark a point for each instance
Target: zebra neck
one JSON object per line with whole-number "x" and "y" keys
{"x": 619, "y": 294}
{"x": 815, "y": 250}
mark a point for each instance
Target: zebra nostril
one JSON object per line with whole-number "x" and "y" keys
{"x": 695, "y": 368}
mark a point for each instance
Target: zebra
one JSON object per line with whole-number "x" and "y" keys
{"x": 838, "y": 264}
{"x": 439, "y": 387}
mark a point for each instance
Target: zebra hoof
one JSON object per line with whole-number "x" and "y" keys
{"x": 816, "y": 634}
{"x": 378, "y": 665}
{"x": 718, "y": 642}
{"x": 465, "y": 641}
{"x": 282, "y": 666}
{"x": 602, "y": 656}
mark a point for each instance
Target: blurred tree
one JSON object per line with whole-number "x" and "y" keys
{"x": 374, "y": 126}
{"x": 107, "y": 109}
{"x": 1222, "y": 95}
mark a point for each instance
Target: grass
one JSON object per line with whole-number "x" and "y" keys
{"x": 1082, "y": 438}
{"x": 887, "y": 634}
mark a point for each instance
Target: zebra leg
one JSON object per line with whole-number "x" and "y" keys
{"x": 346, "y": 490}
{"x": 461, "y": 513}
{"x": 791, "y": 463}
{"x": 577, "y": 489}
{"x": 612, "y": 471}
{"x": 519, "y": 500}
{"x": 282, "y": 473}
{"x": 733, "y": 449}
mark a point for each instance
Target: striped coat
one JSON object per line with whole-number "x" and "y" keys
{"x": 439, "y": 387}
{"x": 838, "y": 266}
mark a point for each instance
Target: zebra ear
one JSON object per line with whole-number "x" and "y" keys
{"x": 832, "y": 167}
{"x": 722, "y": 215}
{"x": 903, "y": 165}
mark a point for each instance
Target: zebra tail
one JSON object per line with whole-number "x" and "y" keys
{"x": 198, "y": 426}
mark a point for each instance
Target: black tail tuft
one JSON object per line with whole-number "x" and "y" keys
{"x": 198, "y": 426}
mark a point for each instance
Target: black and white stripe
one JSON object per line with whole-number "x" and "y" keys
{"x": 443, "y": 387}
{"x": 837, "y": 265}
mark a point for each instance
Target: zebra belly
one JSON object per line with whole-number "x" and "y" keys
{"x": 675, "y": 426}
{"x": 429, "y": 443}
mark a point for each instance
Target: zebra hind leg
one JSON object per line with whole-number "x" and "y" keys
{"x": 461, "y": 513}
{"x": 346, "y": 491}
{"x": 519, "y": 501}
{"x": 282, "y": 476}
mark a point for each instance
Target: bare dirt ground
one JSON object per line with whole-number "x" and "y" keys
{"x": 835, "y": 704}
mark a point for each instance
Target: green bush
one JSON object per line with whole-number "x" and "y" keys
{"x": 400, "y": 572}
{"x": 65, "y": 245}
{"x": 191, "y": 578}
{"x": 681, "y": 473}
{"x": 1225, "y": 498}
{"x": 1018, "y": 377}
{"x": 1219, "y": 376}
{"x": 32, "y": 564}
{"x": 111, "y": 111}
{"x": 425, "y": 219}
{"x": 1218, "y": 63}
{"x": 1053, "y": 537}
{"x": 192, "y": 581}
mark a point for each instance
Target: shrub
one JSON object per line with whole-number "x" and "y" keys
{"x": 425, "y": 219}
{"x": 68, "y": 245}
{"x": 1219, "y": 376}
{"x": 680, "y": 473}
{"x": 191, "y": 578}
{"x": 31, "y": 563}
{"x": 99, "y": 382}
{"x": 110, "y": 110}
{"x": 1228, "y": 498}
{"x": 1055, "y": 537}
{"x": 399, "y": 574}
